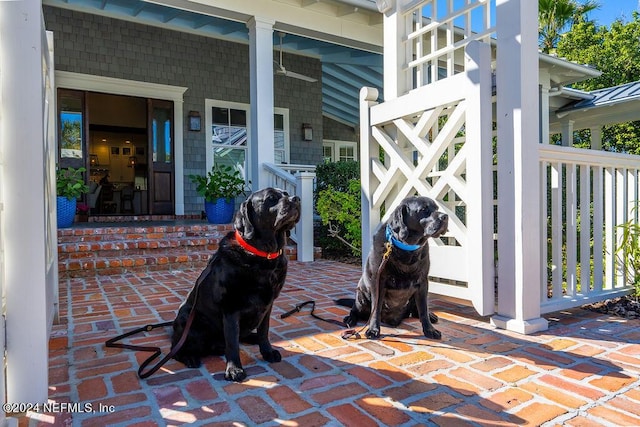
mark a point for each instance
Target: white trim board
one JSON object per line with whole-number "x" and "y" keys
{"x": 69, "y": 80}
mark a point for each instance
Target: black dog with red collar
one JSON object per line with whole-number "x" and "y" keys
{"x": 237, "y": 289}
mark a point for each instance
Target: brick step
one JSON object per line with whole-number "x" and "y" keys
{"x": 102, "y": 250}
{"x": 115, "y": 248}
{"x": 112, "y": 233}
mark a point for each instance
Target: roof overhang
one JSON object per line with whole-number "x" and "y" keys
{"x": 606, "y": 106}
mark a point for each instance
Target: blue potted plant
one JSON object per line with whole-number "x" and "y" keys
{"x": 69, "y": 186}
{"x": 219, "y": 187}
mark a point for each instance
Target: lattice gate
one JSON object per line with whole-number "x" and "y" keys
{"x": 436, "y": 141}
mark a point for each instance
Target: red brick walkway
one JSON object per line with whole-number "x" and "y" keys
{"x": 583, "y": 371}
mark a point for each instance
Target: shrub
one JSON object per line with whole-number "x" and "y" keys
{"x": 341, "y": 214}
{"x": 337, "y": 201}
{"x": 336, "y": 175}
{"x": 628, "y": 253}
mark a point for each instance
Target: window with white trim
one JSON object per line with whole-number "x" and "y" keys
{"x": 337, "y": 151}
{"x": 227, "y": 125}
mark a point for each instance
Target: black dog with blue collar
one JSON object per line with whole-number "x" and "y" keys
{"x": 394, "y": 281}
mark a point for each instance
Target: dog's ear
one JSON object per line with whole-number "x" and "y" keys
{"x": 242, "y": 221}
{"x": 399, "y": 223}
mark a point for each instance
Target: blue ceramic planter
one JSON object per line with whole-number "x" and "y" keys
{"x": 66, "y": 211}
{"x": 220, "y": 211}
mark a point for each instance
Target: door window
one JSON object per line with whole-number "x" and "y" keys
{"x": 71, "y": 131}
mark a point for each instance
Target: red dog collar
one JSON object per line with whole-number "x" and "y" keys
{"x": 256, "y": 251}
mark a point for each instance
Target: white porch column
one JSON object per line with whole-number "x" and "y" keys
{"x": 394, "y": 79}
{"x": 544, "y": 114}
{"x": 261, "y": 90}
{"x": 567, "y": 133}
{"x": 519, "y": 272}
{"x": 23, "y": 205}
{"x": 596, "y": 137}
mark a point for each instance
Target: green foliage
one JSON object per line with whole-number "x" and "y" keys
{"x": 616, "y": 52}
{"x": 555, "y": 16}
{"x": 70, "y": 183}
{"x": 628, "y": 253}
{"x": 336, "y": 180}
{"x": 221, "y": 182}
{"x": 336, "y": 175}
{"x": 341, "y": 213}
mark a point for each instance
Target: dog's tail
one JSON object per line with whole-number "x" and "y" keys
{"x": 345, "y": 302}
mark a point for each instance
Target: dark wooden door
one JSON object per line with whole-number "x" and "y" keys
{"x": 161, "y": 157}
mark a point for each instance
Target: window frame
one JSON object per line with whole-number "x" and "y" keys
{"x": 335, "y": 148}
{"x": 213, "y": 103}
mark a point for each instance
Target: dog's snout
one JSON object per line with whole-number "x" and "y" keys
{"x": 295, "y": 199}
{"x": 443, "y": 216}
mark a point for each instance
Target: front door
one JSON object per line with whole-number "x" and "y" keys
{"x": 161, "y": 156}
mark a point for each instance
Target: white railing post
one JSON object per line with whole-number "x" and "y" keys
{"x": 304, "y": 229}
{"x": 519, "y": 290}
{"x": 394, "y": 31}
{"x": 480, "y": 176}
{"x": 370, "y": 217}
{"x": 24, "y": 280}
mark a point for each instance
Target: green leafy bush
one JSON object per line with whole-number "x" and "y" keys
{"x": 341, "y": 214}
{"x": 337, "y": 201}
{"x": 336, "y": 175}
{"x": 628, "y": 253}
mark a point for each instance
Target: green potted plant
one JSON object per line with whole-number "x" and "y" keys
{"x": 220, "y": 187}
{"x": 69, "y": 186}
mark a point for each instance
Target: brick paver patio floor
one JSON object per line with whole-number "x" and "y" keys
{"x": 582, "y": 371}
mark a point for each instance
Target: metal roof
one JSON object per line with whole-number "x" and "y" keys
{"x": 600, "y": 107}
{"x": 345, "y": 69}
{"x": 606, "y": 97}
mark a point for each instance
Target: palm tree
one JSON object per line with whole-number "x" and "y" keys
{"x": 555, "y": 16}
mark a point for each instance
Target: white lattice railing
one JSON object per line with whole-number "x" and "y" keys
{"x": 586, "y": 195}
{"x": 297, "y": 180}
{"x": 436, "y": 33}
{"x": 436, "y": 143}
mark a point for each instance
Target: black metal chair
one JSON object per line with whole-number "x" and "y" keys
{"x": 126, "y": 200}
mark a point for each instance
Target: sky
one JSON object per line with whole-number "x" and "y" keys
{"x": 610, "y": 10}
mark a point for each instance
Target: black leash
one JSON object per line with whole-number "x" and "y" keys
{"x": 349, "y": 333}
{"x": 299, "y": 307}
{"x": 113, "y": 342}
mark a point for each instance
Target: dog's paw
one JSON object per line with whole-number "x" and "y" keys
{"x": 432, "y": 333}
{"x": 189, "y": 361}
{"x": 271, "y": 356}
{"x": 372, "y": 333}
{"x": 234, "y": 373}
{"x": 433, "y": 317}
{"x": 350, "y": 321}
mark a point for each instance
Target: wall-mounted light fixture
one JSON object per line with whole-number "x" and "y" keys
{"x": 133, "y": 160}
{"x": 307, "y": 132}
{"x": 194, "y": 121}
{"x": 93, "y": 160}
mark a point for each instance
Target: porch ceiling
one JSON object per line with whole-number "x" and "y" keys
{"x": 348, "y": 63}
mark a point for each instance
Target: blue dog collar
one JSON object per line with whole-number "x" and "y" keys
{"x": 397, "y": 243}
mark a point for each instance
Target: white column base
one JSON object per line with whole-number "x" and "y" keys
{"x": 520, "y": 326}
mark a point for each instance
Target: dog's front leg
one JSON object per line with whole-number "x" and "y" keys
{"x": 231, "y": 324}
{"x": 423, "y": 312}
{"x": 268, "y": 353}
{"x": 377, "y": 290}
